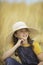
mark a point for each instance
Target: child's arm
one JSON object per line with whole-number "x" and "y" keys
{"x": 11, "y": 51}
{"x": 40, "y": 56}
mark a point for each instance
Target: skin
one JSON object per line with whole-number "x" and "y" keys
{"x": 22, "y": 35}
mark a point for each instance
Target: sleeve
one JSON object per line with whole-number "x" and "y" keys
{"x": 37, "y": 48}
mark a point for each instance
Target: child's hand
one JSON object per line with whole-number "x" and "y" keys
{"x": 19, "y": 43}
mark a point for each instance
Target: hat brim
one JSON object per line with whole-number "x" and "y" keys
{"x": 32, "y": 32}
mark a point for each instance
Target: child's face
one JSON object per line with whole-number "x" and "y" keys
{"x": 22, "y": 34}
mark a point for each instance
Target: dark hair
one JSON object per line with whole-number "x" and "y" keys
{"x": 30, "y": 41}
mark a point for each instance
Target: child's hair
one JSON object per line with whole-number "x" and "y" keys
{"x": 15, "y": 39}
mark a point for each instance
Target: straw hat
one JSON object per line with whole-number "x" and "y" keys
{"x": 20, "y": 25}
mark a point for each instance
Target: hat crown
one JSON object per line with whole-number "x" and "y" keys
{"x": 19, "y": 25}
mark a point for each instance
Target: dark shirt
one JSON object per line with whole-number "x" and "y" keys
{"x": 27, "y": 56}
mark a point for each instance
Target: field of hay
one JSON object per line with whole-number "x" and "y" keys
{"x": 11, "y": 13}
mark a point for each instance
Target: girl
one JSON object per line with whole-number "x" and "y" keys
{"x": 24, "y": 47}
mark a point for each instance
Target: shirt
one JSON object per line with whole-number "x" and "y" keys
{"x": 37, "y": 48}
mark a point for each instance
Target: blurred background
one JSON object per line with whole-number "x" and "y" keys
{"x": 11, "y": 11}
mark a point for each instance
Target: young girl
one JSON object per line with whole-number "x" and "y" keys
{"x": 24, "y": 47}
